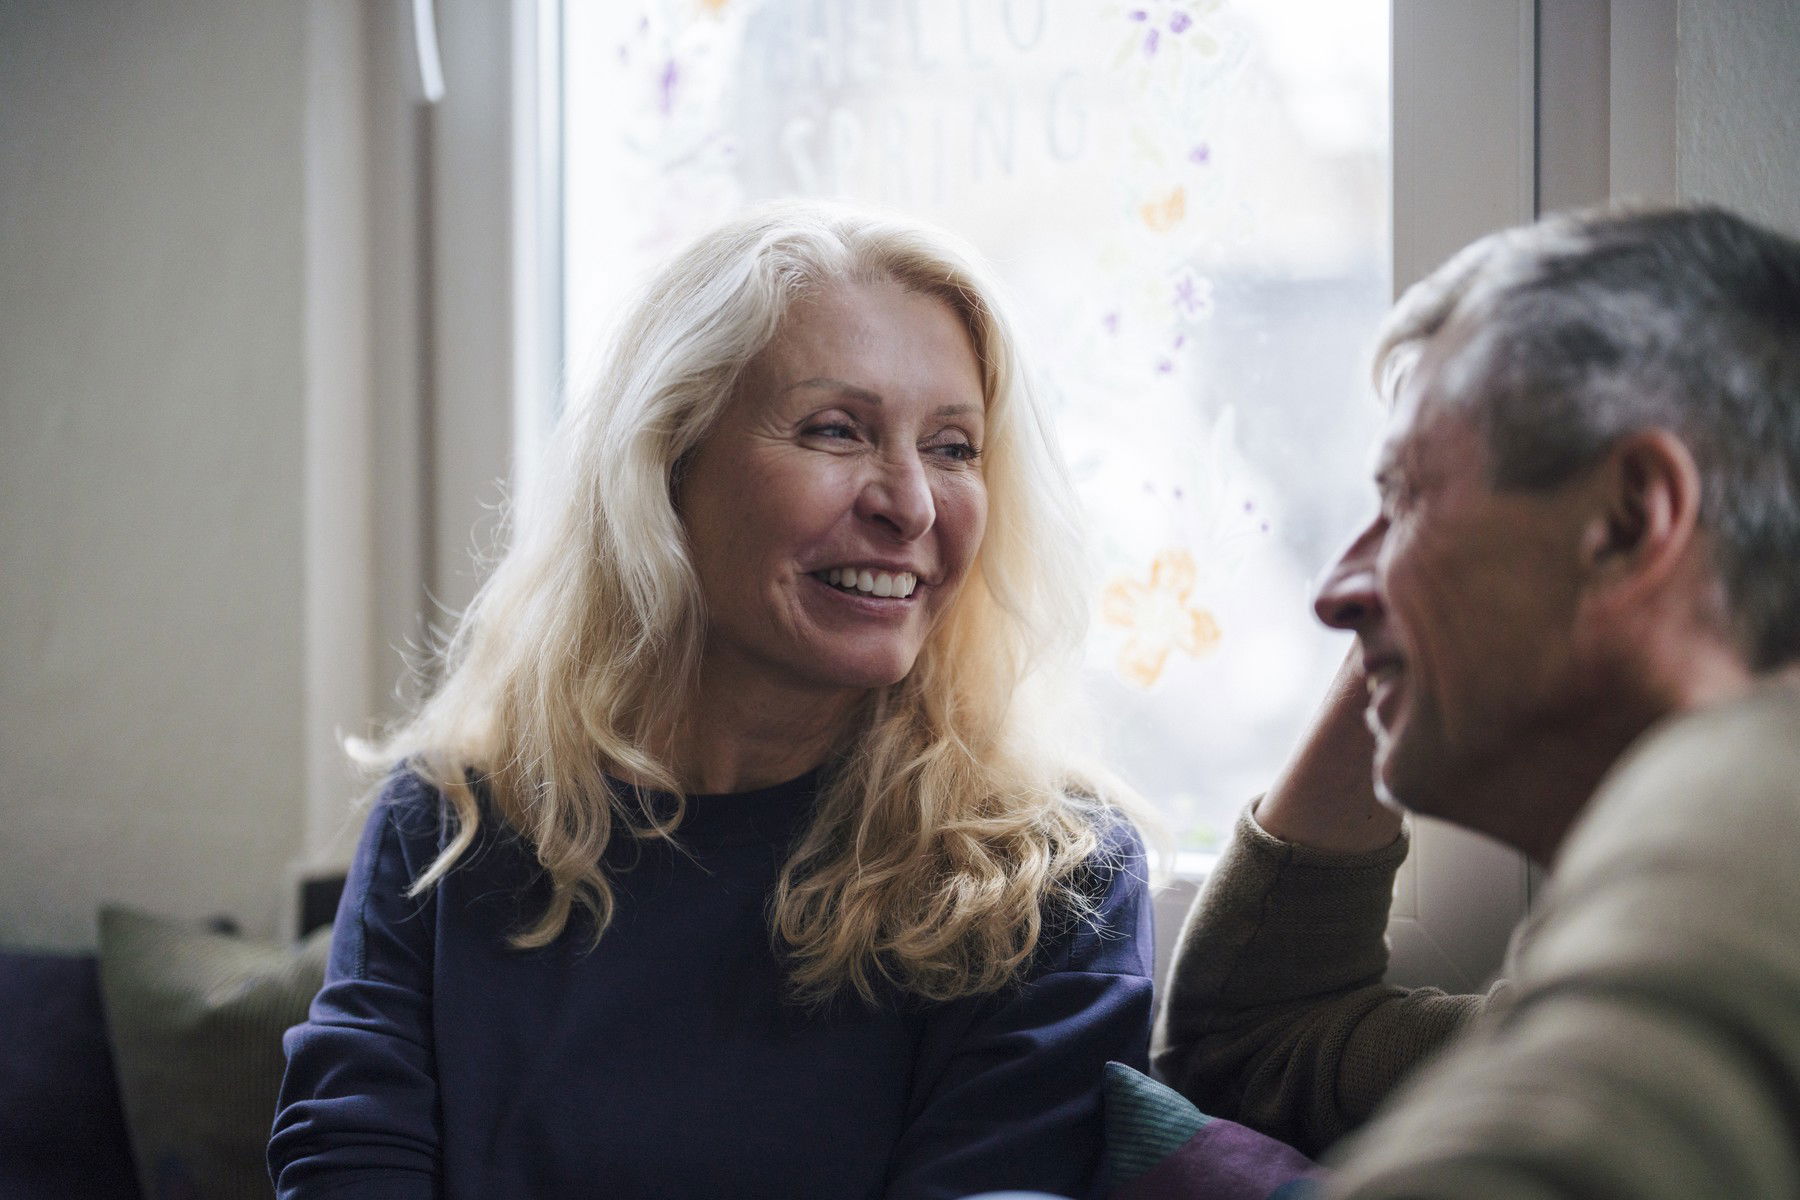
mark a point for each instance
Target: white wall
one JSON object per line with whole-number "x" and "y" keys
{"x": 1738, "y": 107}
{"x": 152, "y": 283}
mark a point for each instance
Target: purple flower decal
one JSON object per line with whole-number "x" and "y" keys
{"x": 1138, "y": 14}
{"x": 1200, "y": 155}
{"x": 1150, "y": 40}
{"x": 1180, "y": 22}
{"x": 1111, "y": 323}
{"x": 1193, "y": 296}
{"x": 670, "y": 77}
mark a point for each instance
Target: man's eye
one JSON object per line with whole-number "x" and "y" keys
{"x": 1395, "y": 496}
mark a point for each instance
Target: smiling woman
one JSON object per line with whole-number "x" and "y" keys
{"x": 853, "y": 451}
{"x": 742, "y": 851}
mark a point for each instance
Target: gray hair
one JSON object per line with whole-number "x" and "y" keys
{"x": 1582, "y": 329}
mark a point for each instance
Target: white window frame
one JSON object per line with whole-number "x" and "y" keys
{"x": 432, "y": 335}
{"x": 1505, "y": 109}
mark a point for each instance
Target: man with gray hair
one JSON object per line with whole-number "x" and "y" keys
{"x": 1577, "y": 618}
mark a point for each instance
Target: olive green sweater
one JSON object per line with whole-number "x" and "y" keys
{"x": 1647, "y": 1043}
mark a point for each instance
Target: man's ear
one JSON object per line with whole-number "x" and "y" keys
{"x": 1645, "y": 513}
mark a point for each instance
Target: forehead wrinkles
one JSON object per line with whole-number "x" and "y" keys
{"x": 1396, "y": 457}
{"x": 1454, "y": 372}
{"x": 1437, "y": 402}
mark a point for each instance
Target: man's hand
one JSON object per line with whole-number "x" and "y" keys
{"x": 1325, "y": 796}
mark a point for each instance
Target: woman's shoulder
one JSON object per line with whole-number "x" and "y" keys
{"x": 415, "y": 803}
{"x": 409, "y": 798}
{"x": 407, "y": 789}
{"x": 412, "y": 819}
{"x": 1120, "y": 839}
{"x": 1118, "y": 858}
{"x": 1103, "y": 923}
{"x": 404, "y": 816}
{"x": 1118, "y": 871}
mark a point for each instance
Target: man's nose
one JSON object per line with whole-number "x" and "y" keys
{"x": 897, "y": 497}
{"x": 1348, "y": 598}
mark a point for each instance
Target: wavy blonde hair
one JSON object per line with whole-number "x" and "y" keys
{"x": 954, "y": 821}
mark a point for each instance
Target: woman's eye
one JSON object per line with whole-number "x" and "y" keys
{"x": 958, "y": 451}
{"x": 832, "y": 431}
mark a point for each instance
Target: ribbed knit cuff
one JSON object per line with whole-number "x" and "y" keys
{"x": 1257, "y": 840}
{"x": 1288, "y": 921}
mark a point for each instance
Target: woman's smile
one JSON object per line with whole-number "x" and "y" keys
{"x": 866, "y": 581}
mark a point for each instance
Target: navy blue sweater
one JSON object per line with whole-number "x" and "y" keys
{"x": 437, "y": 1061}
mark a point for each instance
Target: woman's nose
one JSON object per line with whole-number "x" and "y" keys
{"x": 897, "y": 497}
{"x": 1348, "y": 598}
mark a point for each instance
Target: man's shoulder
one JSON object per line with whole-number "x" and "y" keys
{"x": 1741, "y": 752}
{"x": 1765, "y": 722}
{"x": 1714, "y": 792}
{"x": 1675, "y": 887}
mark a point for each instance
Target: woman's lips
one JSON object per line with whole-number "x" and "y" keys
{"x": 870, "y": 581}
{"x": 866, "y": 603}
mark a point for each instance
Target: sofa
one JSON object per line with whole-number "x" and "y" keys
{"x": 148, "y": 1069}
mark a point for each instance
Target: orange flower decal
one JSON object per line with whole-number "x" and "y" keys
{"x": 1166, "y": 212}
{"x": 1160, "y": 616}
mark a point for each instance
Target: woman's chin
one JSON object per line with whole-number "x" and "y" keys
{"x": 865, "y": 668}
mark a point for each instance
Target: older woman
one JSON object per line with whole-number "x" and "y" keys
{"x": 739, "y": 852}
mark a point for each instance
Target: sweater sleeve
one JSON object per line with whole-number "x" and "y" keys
{"x": 357, "y": 1114}
{"x": 1007, "y": 1088}
{"x": 1276, "y": 1014}
{"x": 1651, "y": 1044}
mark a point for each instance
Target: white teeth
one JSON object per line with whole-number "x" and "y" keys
{"x": 899, "y": 584}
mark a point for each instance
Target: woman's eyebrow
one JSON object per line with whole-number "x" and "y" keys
{"x": 825, "y": 383}
{"x": 862, "y": 394}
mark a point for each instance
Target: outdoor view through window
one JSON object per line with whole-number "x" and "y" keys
{"x": 1189, "y": 205}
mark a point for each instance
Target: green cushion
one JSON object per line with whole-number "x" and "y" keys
{"x": 1145, "y": 1123}
{"x": 196, "y": 1019}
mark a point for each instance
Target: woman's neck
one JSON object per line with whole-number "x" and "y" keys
{"x": 736, "y": 740}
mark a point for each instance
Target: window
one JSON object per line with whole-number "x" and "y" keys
{"x": 1189, "y": 205}
{"x": 1484, "y": 129}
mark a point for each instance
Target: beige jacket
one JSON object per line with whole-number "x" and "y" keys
{"x": 1647, "y": 1045}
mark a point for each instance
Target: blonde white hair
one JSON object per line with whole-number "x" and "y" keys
{"x": 954, "y": 821}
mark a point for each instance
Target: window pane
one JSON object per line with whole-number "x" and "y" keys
{"x": 1189, "y": 204}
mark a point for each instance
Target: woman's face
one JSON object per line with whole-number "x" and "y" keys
{"x": 837, "y": 506}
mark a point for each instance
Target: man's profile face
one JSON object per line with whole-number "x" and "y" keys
{"x": 1463, "y": 601}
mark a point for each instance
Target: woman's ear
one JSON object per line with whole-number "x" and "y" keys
{"x": 1646, "y": 512}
